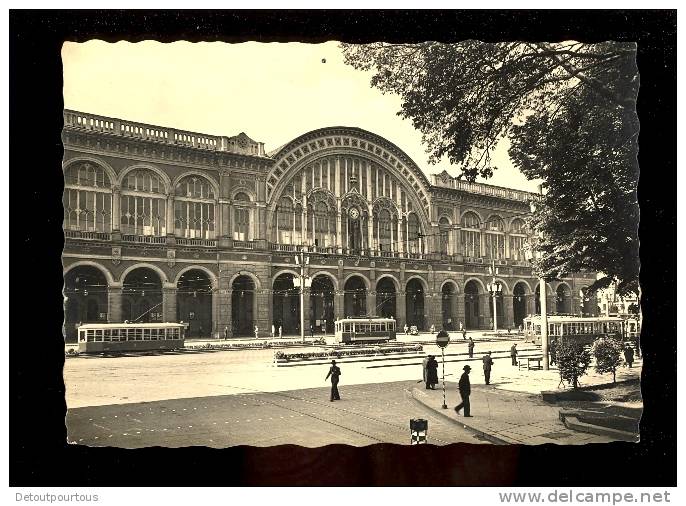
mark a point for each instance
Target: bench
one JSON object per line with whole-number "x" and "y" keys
{"x": 532, "y": 363}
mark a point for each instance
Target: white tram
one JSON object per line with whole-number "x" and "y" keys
{"x": 581, "y": 329}
{"x": 101, "y": 337}
{"x": 364, "y": 330}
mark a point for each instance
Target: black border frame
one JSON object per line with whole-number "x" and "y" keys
{"x": 39, "y": 455}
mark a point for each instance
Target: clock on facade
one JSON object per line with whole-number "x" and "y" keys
{"x": 354, "y": 213}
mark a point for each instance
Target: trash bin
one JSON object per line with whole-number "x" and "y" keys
{"x": 418, "y": 429}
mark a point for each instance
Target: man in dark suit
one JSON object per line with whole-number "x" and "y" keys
{"x": 334, "y": 372}
{"x": 513, "y": 354}
{"x": 470, "y": 347}
{"x": 465, "y": 389}
{"x": 488, "y": 362}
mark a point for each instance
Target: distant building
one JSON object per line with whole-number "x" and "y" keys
{"x": 612, "y": 304}
{"x": 168, "y": 225}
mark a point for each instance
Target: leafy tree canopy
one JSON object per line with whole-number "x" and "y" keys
{"x": 568, "y": 110}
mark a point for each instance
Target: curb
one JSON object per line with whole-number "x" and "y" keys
{"x": 573, "y": 423}
{"x": 485, "y": 435}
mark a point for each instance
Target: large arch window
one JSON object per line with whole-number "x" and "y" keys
{"x": 413, "y": 231}
{"x": 383, "y": 225}
{"x": 87, "y": 199}
{"x": 322, "y": 225}
{"x": 517, "y": 239}
{"x": 284, "y": 221}
{"x": 194, "y": 208}
{"x": 444, "y": 230}
{"x": 495, "y": 238}
{"x": 471, "y": 235}
{"x": 143, "y": 204}
{"x": 241, "y": 222}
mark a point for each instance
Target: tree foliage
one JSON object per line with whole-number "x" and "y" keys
{"x": 608, "y": 355}
{"x": 572, "y": 360}
{"x": 568, "y": 110}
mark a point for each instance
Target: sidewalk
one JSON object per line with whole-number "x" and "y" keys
{"x": 511, "y": 409}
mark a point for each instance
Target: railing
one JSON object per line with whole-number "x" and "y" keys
{"x": 485, "y": 189}
{"x": 83, "y": 234}
{"x": 186, "y": 241}
{"x": 143, "y": 131}
{"x": 244, "y": 244}
{"x": 145, "y": 239}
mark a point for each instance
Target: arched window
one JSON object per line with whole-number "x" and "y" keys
{"x": 241, "y": 222}
{"x": 321, "y": 225}
{"x": 87, "y": 199}
{"x": 413, "y": 240}
{"x": 495, "y": 238}
{"x": 471, "y": 235}
{"x": 517, "y": 239}
{"x": 143, "y": 206}
{"x": 384, "y": 223}
{"x": 444, "y": 230}
{"x": 194, "y": 208}
{"x": 285, "y": 220}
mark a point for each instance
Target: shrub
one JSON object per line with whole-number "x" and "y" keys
{"x": 608, "y": 355}
{"x": 572, "y": 360}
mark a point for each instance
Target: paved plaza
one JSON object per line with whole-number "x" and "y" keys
{"x": 222, "y": 398}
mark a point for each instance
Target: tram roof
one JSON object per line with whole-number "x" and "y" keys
{"x": 575, "y": 319}
{"x": 365, "y": 319}
{"x": 130, "y": 325}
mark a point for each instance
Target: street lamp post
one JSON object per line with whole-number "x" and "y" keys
{"x": 495, "y": 288}
{"x": 303, "y": 282}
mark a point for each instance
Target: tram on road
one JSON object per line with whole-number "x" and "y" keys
{"x": 105, "y": 337}
{"x": 580, "y": 329}
{"x": 364, "y": 330}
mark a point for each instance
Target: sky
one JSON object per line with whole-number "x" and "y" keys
{"x": 274, "y": 92}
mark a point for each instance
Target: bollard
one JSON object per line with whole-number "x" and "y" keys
{"x": 418, "y": 429}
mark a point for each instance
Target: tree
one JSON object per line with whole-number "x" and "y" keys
{"x": 568, "y": 110}
{"x": 608, "y": 355}
{"x": 572, "y": 360}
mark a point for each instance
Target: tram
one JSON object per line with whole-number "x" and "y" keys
{"x": 102, "y": 337}
{"x": 364, "y": 330}
{"x": 580, "y": 329}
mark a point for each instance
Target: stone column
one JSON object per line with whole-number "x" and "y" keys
{"x": 436, "y": 312}
{"x": 116, "y": 219}
{"x": 339, "y": 230}
{"x": 508, "y": 310}
{"x": 370, "y": 230}
{"x": 485, "y": 318}
{"x": 306, "y": 311}
{"x": 215, "y": 316}
{"x": 371, "y": 303}
{"x": 339, "y": 190}
{"x": 114, "y": 303}
{"x": 262, "y": 312}
{"x": 400, "y": 309}
{"x": 169, "y": 302}
{"x": 170, "y": 214}
{"x": 459, "y": 312}
{"x": 224, "y": 311}
{"x": 339, "y": 305}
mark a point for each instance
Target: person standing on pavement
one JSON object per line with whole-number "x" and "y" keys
{"x": 273, "y": 331}
{"x": 280, "y": 331}
{"x": 488, "y": 362}
{"x": 431, "y": 372}
{"x": 257, "y": 330}
{"x": 513, "y": 354}
{"x": 465, "y": 388}
{"x": 334, "y": 372}
{"x": 629, "y": 354}
{"x": 470, "y": 347}
{"x": 405, "y": 328}
{"x": 464, "y": 334}
{"x": 424, "y": 370}
{"x": 553, "y": 351}
{"x": 226, "y": 332}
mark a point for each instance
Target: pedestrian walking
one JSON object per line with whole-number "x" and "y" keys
{"x": 226, "y": 332}
{"x": 432, "y": 329}
{"x": 311, "y": 331}
{"x": 465, "y": 389}
{"x": 553, "y": 351}
{"x": 334, "y": 372}
{"x": 488, "y": 362}
{"x": 405, "y": 328}
{"x": 461, "y": 326}
{"x": 200, "y": 330}
{"x": 272, "y": 331}
{"x": 470, "y": 347}
{"x": 513, "y": 354}
{"x": 629, "y": 354}
{"x": 257, "y": 330}
{"x": 464, "y": 334}
{"x": 431, "y": 372}
{"x": 280, "y": 331}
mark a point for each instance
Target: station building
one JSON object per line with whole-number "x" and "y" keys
{"x": 168, "y": 225}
